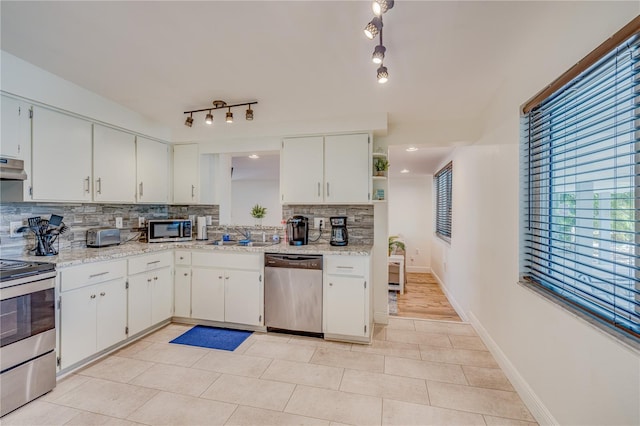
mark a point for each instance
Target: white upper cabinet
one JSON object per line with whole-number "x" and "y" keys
{"x": 346, "y": 168}
{"x": 301, "y": 170}
{"x": 185, "y": 174}
{"x": 15, "y": 133}
{"x": 114, "y": 165}
{"x": 330, "y": 169}
{"x": 61, "y": 168}
{"x": 152, "y": 160}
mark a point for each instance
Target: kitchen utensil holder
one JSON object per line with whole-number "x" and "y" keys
{"x": 46, "y": 245}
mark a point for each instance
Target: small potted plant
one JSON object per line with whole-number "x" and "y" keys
{"x": 258, "y": 212}
{"x": 381, "y": 165}
{"x": 395, "y": 245}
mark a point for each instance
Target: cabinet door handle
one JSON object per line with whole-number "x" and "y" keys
{"x": 151, "y": 263}
{"x": 344, "y": 267}
{"x": 148, "y": 280}
{"x": 318, "y": 189}
{"x": 141, "y": 189}
{"x": 93, "y": 296}
{"x": 181, "y": 258}
{"x": 88, "y": 181}
{"x": 155, "y": 278}
{"x": 99, "y": 185}
{"x": 103, "y": 293}
{"x": 97, "y": 275}
{"x": 186, "y": 275}
{"x": 327, "y": 189}
{"x": 193, "y": 191}
{"x": 331, "y": 284}
{"x": 219, "y": 277}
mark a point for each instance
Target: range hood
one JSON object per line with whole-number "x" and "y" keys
{"x": 11, "y": 169}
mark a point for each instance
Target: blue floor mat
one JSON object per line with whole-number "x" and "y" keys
{"x": 212, "y": 338}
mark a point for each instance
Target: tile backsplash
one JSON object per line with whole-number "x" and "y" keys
{"x": 82, "y": 216}
{"x": 359, "y": 219}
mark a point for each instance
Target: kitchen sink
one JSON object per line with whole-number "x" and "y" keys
{"x": 252, "y": 244}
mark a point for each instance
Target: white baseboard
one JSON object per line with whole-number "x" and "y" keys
{"x": 542, "y": 415}
{"x": 456, "y": 306}
{"x": 421, "y": 269}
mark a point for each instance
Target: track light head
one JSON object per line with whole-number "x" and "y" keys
{"x": 383, "y": 75}
{"x": 373, "y": 28}
{"x": 381, "y": 6}
{"x": 249, "y": 114}
{"x": 378, "y": 54}
{"x": 189, "y": 121}
{"x": 209, "y": 118}
{"x": 229, "y": 116}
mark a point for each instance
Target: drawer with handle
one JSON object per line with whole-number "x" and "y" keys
{"x": 345, "y": 265}
{"x": 150, "y": 262}
{"x": 93, "y": 273}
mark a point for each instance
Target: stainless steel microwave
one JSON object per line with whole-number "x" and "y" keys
{"x": 168, "y": 230}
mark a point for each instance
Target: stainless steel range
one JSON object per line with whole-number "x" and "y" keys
{"x": 27, "y": 332}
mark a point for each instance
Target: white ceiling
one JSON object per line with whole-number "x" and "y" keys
{"x": 303, "y": 61}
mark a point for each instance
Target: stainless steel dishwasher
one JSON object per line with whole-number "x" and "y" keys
{"x": 293, "y": 293}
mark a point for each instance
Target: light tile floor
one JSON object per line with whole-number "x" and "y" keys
{"x": 416, "y": 372}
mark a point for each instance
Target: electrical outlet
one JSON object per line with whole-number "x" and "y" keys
{"x": 319, "y": 220}
{"x": 209, "y": 221}
{"x": 141, "y": 222}
{"x": 417, "y": 251}
{"x": 118, "y": 222}
{"x": 13, "y": 227}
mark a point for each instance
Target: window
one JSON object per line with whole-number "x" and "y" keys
{"x": 581, "y": 180}
{"x": 443, "y": 201}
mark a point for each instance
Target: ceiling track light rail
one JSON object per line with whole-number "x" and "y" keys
{"x": 373, "y": 29}
{"x": 218, "y": 104}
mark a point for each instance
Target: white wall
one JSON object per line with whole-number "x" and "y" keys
{"x": 566, "y": 370}
{"x": 25, "y": 80}
{"x": 247, "y": 193}
{"x": 411, "y": 217}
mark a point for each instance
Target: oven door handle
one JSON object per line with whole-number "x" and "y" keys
{"x": 27, "y": 288}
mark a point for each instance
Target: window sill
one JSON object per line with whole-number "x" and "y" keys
{"x": 616, "y": 335}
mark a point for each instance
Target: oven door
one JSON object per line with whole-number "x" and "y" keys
{"x": 27, "y": 322}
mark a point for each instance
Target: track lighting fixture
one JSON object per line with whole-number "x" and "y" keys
{"x": 378, "y": 54}
{"x": 217, "y": 104}
{"x": 383, "y": 75}
{"x": 381, "y": 6}
{"x": 373, "y": 29}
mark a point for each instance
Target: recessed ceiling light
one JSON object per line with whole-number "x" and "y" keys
{"x": 411, "y": 149}
{"x": 404, "y": 171}
{"x": 254, "y": 156}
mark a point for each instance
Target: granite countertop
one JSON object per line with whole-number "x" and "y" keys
{"x": 77, "y": 256}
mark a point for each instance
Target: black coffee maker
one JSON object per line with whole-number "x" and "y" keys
{"x": 298, "y": 230}
{"x": 339, "y": 234}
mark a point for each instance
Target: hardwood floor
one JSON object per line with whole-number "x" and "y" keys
{"x": 423, "y": 298}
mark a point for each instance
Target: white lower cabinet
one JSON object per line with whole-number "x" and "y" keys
{"x": 207, "y": 294}
{"x": 150, "y": 292}
{"x": 347, "y": 297}
{"x": 242, "y": 297}
{"x": 227, "y": 287}
{"x": 182, "y": 292}
{"x": 93, "y": 316}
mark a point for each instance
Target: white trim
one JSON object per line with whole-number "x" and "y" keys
{"x": 456, "y": 306}
{"x": 421, "y": 269}
{"x": 542, "y": 415}
{"x": 381, "y": 317}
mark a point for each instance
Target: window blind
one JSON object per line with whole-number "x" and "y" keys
{"x": 443, "y": 180}
{"x": 581, "y": 190}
